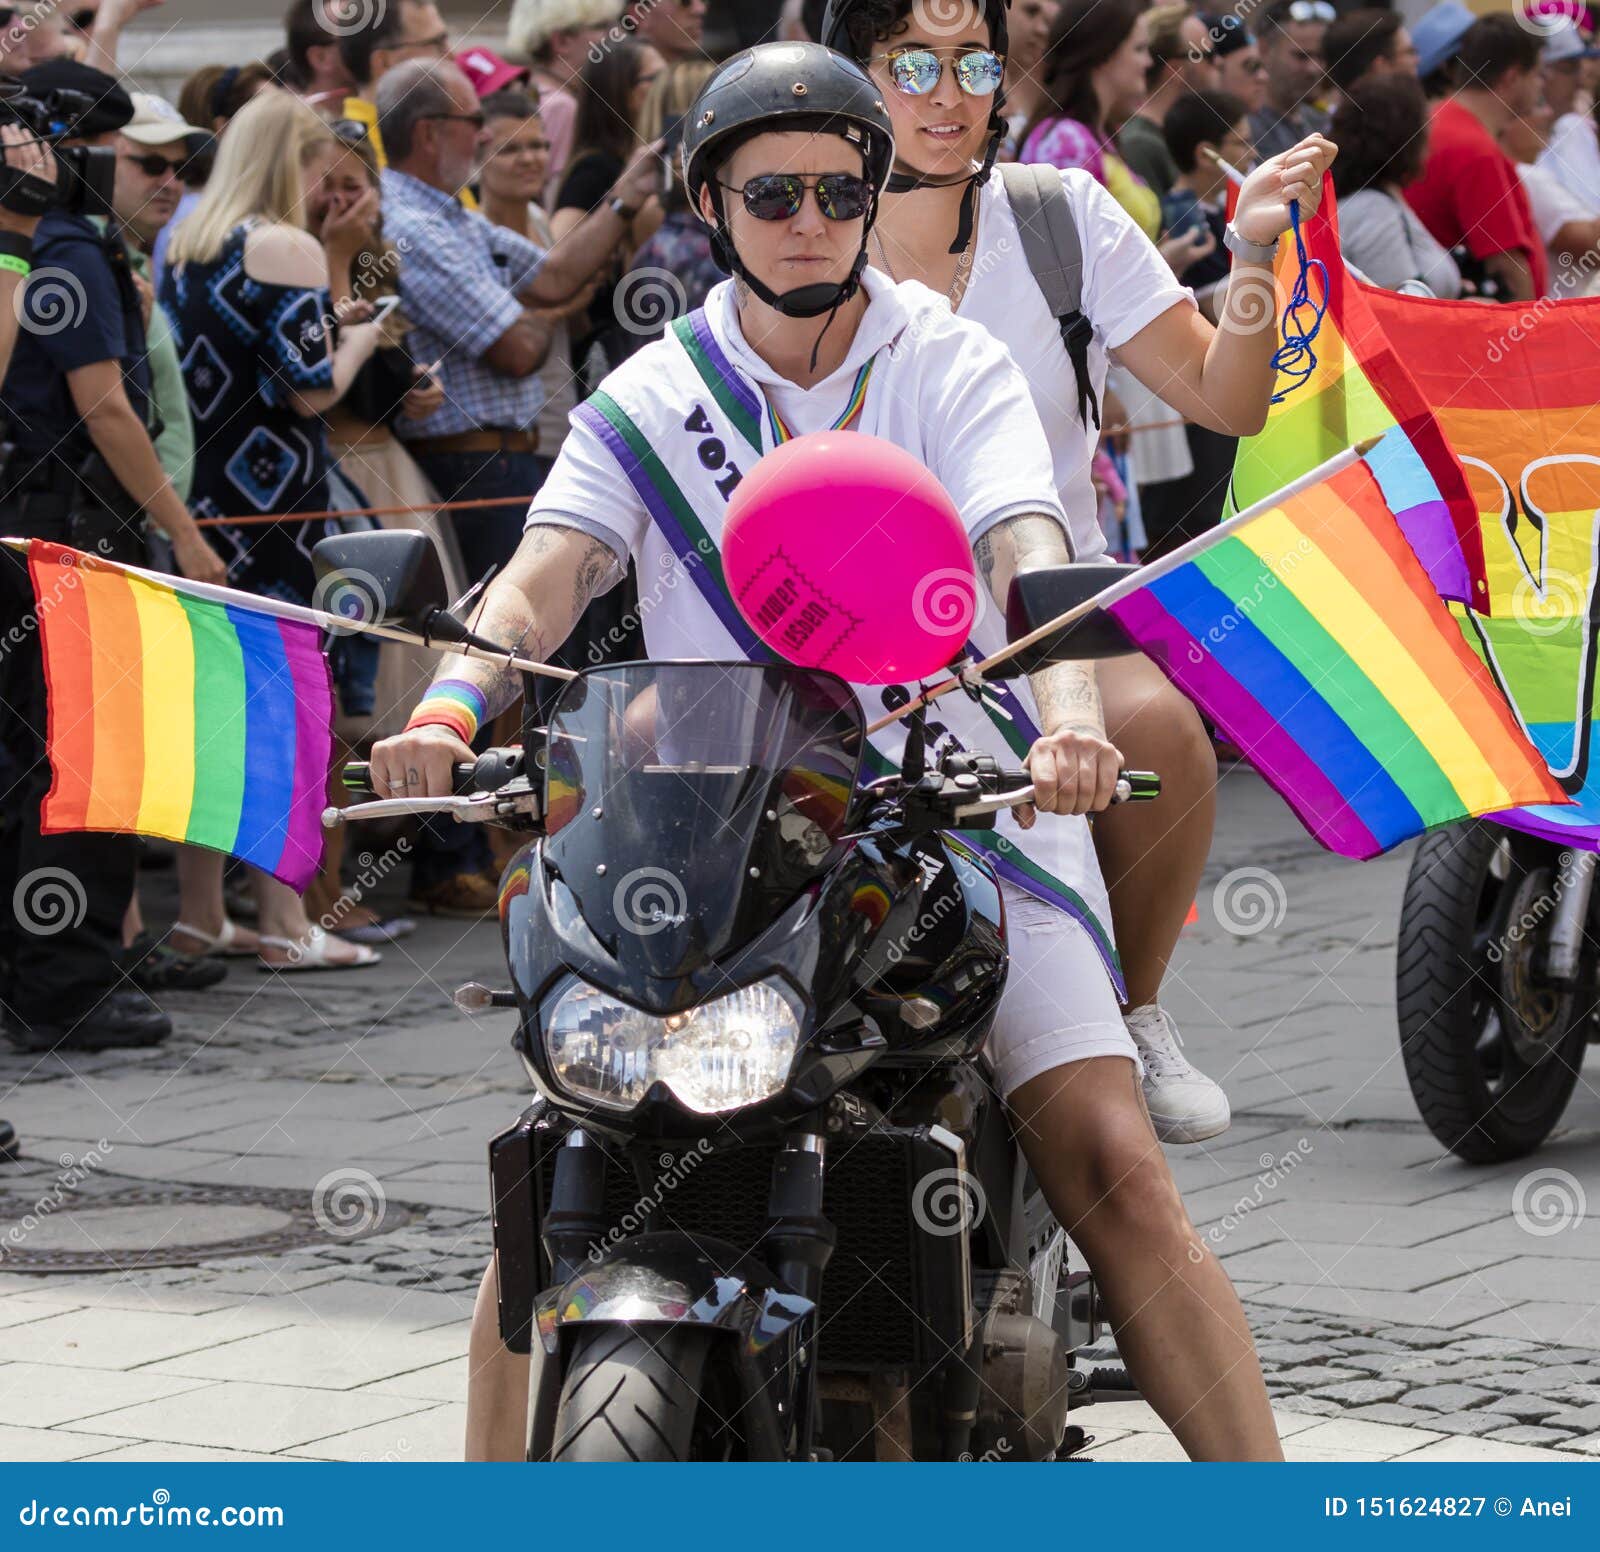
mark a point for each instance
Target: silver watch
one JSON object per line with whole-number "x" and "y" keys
{"x": 1242, "y": 247}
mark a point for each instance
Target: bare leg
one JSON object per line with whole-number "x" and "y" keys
{"x": 283, "y": 915}
{"x": 1153, "y": 854}
{"x": 497, "y": 1384}
{"x": 1179, "y": 1324}
{"x": 200, "y": 898}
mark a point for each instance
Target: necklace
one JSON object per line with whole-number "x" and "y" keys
{"x": 958, "y": 287}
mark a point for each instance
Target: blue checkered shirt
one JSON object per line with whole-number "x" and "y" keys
{"x": 459, "y": 275}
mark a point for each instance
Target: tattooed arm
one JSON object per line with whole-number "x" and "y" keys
{"x": 1074, "y": 766}
{"x": 531, "y": 606}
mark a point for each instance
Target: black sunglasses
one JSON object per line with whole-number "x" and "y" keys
{"x": 778, "y": 196}
{"x": 153, "y": 166}
{"x": 350, "y": 131}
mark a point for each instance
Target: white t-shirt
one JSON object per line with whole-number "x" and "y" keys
{"x": 1573, "y": 155}
{"x": 946, "y": 391}
{"x": 1554, "y": 205}
{"x": 678, "y": 428}
{"x": 1126, "y": 285}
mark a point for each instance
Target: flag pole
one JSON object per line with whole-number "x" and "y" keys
{"x": 336, "y": 623}
{"x": 1143, "y": 577}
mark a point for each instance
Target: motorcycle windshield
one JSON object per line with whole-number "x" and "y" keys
{"x": 687, "y": 804}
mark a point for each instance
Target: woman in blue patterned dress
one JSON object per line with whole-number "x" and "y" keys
{"x": 253, "y": 297}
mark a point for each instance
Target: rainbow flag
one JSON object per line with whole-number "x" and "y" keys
{"x": 1314, "y": 638}
{"x": 173, "y": 712}
{"x": 1515, "y": 393}
{"x": 1360, "y": 388}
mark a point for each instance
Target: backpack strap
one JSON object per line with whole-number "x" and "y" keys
{"x": 1054, "y": 252}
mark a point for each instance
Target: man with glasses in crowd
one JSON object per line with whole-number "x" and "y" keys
{"x": 1290, "y": 39}
{"x": 388, "y": 35}
{"x": 479, "y": 296}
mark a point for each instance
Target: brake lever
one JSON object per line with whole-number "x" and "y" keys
{"x": 1132, "y": 787}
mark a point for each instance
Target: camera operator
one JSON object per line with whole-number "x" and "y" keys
{"x": 22, "y": 154}
{"x": 83, "y": 471}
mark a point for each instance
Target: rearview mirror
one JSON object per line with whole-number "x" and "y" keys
{"x": 392, "y": 576}
{"x": 1038, "y": 597}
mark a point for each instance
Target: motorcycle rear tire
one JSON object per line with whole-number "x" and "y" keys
{"x": 631, "y": 1395}
{"x": 1451, "y": 907}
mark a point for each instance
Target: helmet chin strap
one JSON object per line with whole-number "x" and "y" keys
{"x": 804, "y": 301}
{"x": 907, "y": 180}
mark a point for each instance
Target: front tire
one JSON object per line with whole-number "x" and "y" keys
{"x": 1491, "y": 1052}
{"x": 640, "y": 1396}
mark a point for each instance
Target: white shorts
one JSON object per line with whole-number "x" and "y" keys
{"x": 1059, "y": 1005}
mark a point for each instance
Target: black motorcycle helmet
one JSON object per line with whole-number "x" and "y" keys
{"x": 779, "y": 88}
{"x": 850, "y": 26}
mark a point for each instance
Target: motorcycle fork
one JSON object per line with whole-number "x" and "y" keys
{"x": 798, "y": 1244}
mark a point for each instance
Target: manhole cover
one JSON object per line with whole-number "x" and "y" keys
{"x": 100, "y": 1227}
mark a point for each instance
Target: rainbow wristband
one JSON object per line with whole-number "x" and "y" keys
{"x": 457, "y": 704}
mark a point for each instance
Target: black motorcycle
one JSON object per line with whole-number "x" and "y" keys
{"x": 767, "y": 1205}
{"x": 1497, "y": 985}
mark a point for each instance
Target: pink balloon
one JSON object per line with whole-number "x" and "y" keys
{"x": 844, "y": 553}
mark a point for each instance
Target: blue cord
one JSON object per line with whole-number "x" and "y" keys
{"x": 1294, "y": 358}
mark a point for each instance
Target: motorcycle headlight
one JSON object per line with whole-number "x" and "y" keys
{"x": 721, "y": 1056}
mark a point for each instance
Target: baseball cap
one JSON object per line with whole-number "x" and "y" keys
{"x": 1435, "y": 34}
{"x": 1228, "y": 34}
{"x": 156, "y": 122}
{"x": 113, "y": 107}
{"x": 1566, "y": 42}
{"x": 487, "y": 71}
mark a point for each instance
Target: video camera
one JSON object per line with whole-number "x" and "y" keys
{"x": 84, "y": 175}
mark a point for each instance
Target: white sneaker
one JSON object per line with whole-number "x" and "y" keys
{"x": 1184, "y": 1104}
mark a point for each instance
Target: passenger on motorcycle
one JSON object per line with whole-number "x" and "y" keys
{"x": 948, "y": 221}
{"x": 785, "y": 154}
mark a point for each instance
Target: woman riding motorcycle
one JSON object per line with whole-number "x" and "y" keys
{"x": 940, "y": 70}
{"x": 785, "y": 154}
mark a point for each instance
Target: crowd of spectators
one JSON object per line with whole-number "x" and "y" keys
{"x": 238, "y": 380}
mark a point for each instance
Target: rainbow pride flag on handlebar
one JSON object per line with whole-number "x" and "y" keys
{"x": 1314, "y": 637}
{"x": 193, "y": 713}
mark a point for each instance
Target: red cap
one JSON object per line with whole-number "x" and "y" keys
{"x": 488, "y": 72}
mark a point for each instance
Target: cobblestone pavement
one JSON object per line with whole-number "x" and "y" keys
{"x": 1405, "y": 1305}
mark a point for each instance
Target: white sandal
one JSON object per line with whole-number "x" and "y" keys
{"x": 311, "y": 953}
{"x": 224, "y": 945}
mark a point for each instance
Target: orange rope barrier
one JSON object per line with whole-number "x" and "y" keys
{"x": 314, "y": 517}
